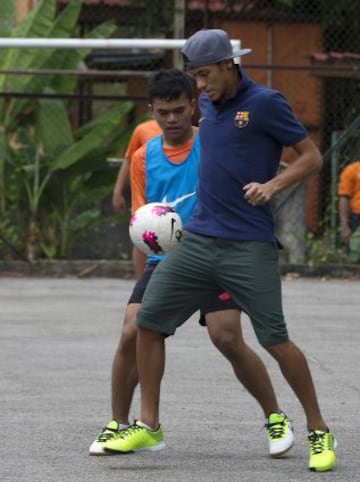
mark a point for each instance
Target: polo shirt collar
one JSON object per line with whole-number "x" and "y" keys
{"x": 244, "y": 84}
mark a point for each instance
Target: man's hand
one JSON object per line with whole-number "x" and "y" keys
{"x": 257, "y": 194}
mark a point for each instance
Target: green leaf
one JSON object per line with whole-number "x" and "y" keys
{"x": 71, "y": 59}
{"x": 2, "y": 170}
{"x": 113, "y": 115}
{"x": 81, "y": 148}
{"x": 6, "y": 21}
{"x": 37, "y": 23}
{"x": 85, "y": 219}
{"x": 53, "y": 126}
{"x": 62, "y": 26}
{"x": 97, "y": 135}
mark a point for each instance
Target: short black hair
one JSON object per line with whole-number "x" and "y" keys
{"x": 170, "y": 84}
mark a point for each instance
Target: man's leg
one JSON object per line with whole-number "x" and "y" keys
{"x": 262, "y": 300}
{"x": 322, "y": 443}
{"x": 176, "y": 290}
{"x": 295, "y": 369}
{"x": 224, "y": 328}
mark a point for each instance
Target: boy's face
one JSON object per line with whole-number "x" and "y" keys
{"x": 174, "y": 117}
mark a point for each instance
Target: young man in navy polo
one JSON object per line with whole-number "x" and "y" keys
{"x": 229, "y": 243}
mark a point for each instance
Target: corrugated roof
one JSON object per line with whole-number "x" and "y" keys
{"x": 221, "y": 5}
{"x": 336, "y": 64}
{"x": 334, "y": 56}
{"x": 212, "y": 5}
{"x": 120, "y": 3}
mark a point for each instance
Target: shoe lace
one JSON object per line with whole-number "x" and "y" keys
{"x": 319, "y": 442}
{"x": 107, "y": 434}
{"x": 276, "y": 430}
{"x": 130, "y": 430}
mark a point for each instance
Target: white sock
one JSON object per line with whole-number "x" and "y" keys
{"x": 142, "y": 424}
{"x": 122, "y": 426}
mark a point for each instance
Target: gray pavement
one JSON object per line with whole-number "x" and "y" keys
{"x": 57, "y": 341}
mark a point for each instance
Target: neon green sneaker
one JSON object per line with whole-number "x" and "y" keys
{"x": 136, "y": 438}
{"x": 322, "y": 447}
{"x": 280, "y": 434}
{"x": 111, "y": 430}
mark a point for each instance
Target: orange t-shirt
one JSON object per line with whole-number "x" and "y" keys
{"x": 349, "y": 185}
{"x": 142, "y": 133}
{"x": 137, "y": 170}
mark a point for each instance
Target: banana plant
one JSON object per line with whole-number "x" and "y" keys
{"x": 82, "y": 174}
{"x": 62, "y": 180}
{"x": 47, "y": 169}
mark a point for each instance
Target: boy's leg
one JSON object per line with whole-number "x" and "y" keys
{"x": 139, "y": 260}
{"x": 124, "y": 376}
{"x": 150, "y": 352}
{"x": 354, "y": 244}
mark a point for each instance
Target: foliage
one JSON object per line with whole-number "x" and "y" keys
{"x": 320, "y": 250}
{"x": 52, "y": 177}
{"x": 157, "y": 16}
{"x": 10, "y": 243}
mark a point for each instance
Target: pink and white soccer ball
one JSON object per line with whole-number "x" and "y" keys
{"x": 155, "y": 228}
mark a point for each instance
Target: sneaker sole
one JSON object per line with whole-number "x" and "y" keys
{"x": 327, "y": 469}
{"x": 283, "y": 452}
{"x": 323, "y": 469}
{"x": 99, "y": 454}
{"x": 155, "y": 448}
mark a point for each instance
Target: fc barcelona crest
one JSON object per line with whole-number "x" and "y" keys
{"x": 242, "y": 118}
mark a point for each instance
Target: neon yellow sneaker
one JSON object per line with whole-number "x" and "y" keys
{"x": 110, "y": 431}
{"x": 136, "y": 438}
{"x": 322, "y": 447}
{"x": 280, "y": 434}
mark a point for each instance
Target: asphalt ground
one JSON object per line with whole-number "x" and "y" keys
{"x": 58, "y": 337}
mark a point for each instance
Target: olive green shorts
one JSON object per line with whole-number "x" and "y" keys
{"x": 201, "y": 267}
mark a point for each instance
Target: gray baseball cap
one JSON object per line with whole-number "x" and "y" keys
{"x": 209, "y": 47}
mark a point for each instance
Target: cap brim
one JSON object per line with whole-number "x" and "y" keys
{"x": 241, "y": 52}
{"x": 200, "y": 63}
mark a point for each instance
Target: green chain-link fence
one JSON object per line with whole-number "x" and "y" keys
{"x": 308, "y": 49}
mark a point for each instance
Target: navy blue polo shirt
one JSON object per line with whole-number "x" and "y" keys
{"x": 241, "y": 141}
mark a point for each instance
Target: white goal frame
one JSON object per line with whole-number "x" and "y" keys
{"x": 74, "y": 43}
{"x": 123, "y": 43}
{"x": 66, "y": 43}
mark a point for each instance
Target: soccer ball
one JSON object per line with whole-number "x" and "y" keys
{"x": 155, "y": 228}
